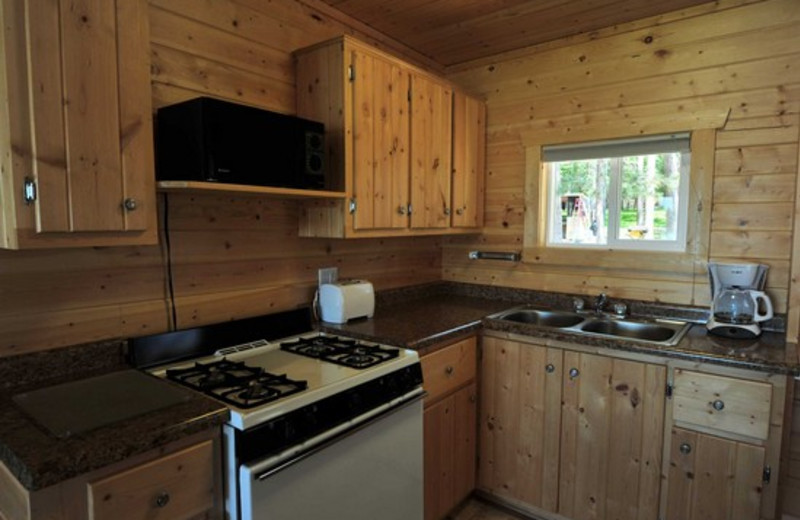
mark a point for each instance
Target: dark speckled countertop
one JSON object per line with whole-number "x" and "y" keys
{"x": 39, "y": 459}
{"x": 425, "y": 316}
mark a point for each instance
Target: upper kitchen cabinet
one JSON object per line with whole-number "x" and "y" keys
{"x": 392, "y": 145}
{"x": 76, "y": 124}
{"x": 469, "y": 159}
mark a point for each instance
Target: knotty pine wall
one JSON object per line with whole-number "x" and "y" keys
{"x": 737, "y": 54}
{"x": 740, "y": 54}
{"x": 231, "y": 256}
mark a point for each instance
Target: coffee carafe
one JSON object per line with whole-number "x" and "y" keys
{"x": 739, "y": 303}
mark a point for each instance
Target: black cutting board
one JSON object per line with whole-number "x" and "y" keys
{"x": 80, "y": 406}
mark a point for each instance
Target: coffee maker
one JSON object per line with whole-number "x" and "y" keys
{"x": 738, "y": 302}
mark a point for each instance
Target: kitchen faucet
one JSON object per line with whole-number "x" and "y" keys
{"x": 600, "y": 303}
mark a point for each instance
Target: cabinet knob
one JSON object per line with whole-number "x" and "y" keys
{"x": 718, "y": 405}
{"x": 130, "y": 204}
{"x": 685, "y": 448}
{"x": 573, "y": 373}
{"x": 550, "y": 368}
{"x": 446, "y": 211}
{"x": 401, "y": 210}
{"x": 449, "y": 370}
{"x": 162, "y": 499}
{"x": 460, "y": 211}
{"x": 473, "y": 398}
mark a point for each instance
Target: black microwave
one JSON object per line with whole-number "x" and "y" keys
{"x": 206, "y": 139}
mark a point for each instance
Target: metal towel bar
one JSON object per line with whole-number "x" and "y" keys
{"x": 495, "y": 255}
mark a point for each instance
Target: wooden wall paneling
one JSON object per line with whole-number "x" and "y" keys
{"x": 238, "y": 51}
{"x": 793, "y": 314}
{"x": 685, "y": 61}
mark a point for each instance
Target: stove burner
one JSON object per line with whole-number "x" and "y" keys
{"x": 256, "y": 390}
{"x": 359, "y": 360}
{"x": 236, "y": 383}
{"x": 347, "y": 352}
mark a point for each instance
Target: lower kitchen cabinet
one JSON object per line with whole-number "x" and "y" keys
{"x": 449, "y": 376}
{"x": 711, "y": 478}
{"x": 571, "y": 433}
{"x": 588, "y": 433}
{"x": 176, "y": 482}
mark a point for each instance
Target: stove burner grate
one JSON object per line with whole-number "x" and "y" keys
{"x": 342, "y": 351}
{"x": 236, "y": 383}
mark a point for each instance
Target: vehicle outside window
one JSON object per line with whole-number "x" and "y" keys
{"x": 622, "y": 194}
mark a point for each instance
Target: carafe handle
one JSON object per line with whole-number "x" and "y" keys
{"x": 759, "y": 295}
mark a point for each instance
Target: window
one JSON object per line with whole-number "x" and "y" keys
{"x": 621, "y": 194}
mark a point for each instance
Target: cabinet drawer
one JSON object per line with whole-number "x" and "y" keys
{"x": 178, "y": 486}
{"x": 722, "y": 403}
{"x": 448, "y": 369}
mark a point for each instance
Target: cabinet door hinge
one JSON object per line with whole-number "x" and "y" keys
{"x": 353, "y": 205}
{"x": 669, "y": 390}
{"x": 767, "y": 476}
{"x": 29, "y": 190}
{"x": 351, "y": 73}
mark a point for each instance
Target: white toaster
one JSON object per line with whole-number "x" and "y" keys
{"x": 345, "y": 300}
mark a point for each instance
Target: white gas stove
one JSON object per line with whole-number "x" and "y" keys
{"x": 313, "y": 417}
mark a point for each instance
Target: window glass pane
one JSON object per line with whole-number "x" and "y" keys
{"x": 629, "y": 202}
{"x": 649, "y": 197}
{"x": 580, "y": 202}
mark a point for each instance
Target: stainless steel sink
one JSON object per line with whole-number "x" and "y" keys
{"x": 656, "y": 332}
{"x": 542, "y": 318}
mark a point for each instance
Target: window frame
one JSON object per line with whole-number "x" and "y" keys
{"x": 662, "y": 265}
{"x": 679, "y": 244}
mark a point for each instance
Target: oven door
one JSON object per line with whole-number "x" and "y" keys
{"x": 371, "y": 470}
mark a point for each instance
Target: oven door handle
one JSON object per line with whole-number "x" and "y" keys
{"x": 347, "y": 430}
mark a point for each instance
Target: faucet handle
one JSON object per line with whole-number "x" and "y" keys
{"x": 620, "y": 309}
{"x": 578, "y": 304}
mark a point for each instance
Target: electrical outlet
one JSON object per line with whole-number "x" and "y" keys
{"x": 328, "y": 275}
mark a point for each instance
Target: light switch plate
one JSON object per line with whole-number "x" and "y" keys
{"x": 328, "y": 275}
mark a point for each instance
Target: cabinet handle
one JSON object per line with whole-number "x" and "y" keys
{"x": 718, "y": 405}
{"x": 130, "y": 204}
{"x": 685, "y": 448}
{"x": 446, "y": 211}
{"x": 401, "y": 210}
{"x": 550, "y": 368}
{"x": 449, "y": 370}
{"x": 573, "y": 373}
{"x": 460, "y": 211}
{"x": 162, "y": 499}
{"x": 472, "y": 398}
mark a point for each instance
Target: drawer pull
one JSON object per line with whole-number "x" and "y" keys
{"x": 449, "y": 370}
{"x": 573, "y": 373}
{"x": 685, "y": 448}
{"x": 550, "y": 368}
{"x": 718, "y": 405}
{"x": 162, "y": 499}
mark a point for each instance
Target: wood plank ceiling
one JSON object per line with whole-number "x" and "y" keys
{"x": 456, "y": 31}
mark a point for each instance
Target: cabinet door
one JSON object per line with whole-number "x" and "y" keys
{"x": 469, "y": 159}
{"x": 449, "y": 452}
{"x": 431, "y": 139}
{"x": 711, "y": 478}
{"x": 380, "y": 143}
{"x": 520, "y": 421}
{"x": 611, "y": 440}
{"x": 89, "y": 113}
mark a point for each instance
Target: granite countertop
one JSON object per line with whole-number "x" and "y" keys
{"x": 421, "y": 322}
{"x": 432, "y": 315}
{"x": 38, "y": 458}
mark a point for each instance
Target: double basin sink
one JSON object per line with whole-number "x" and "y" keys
{"x": 656, "y": 331}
